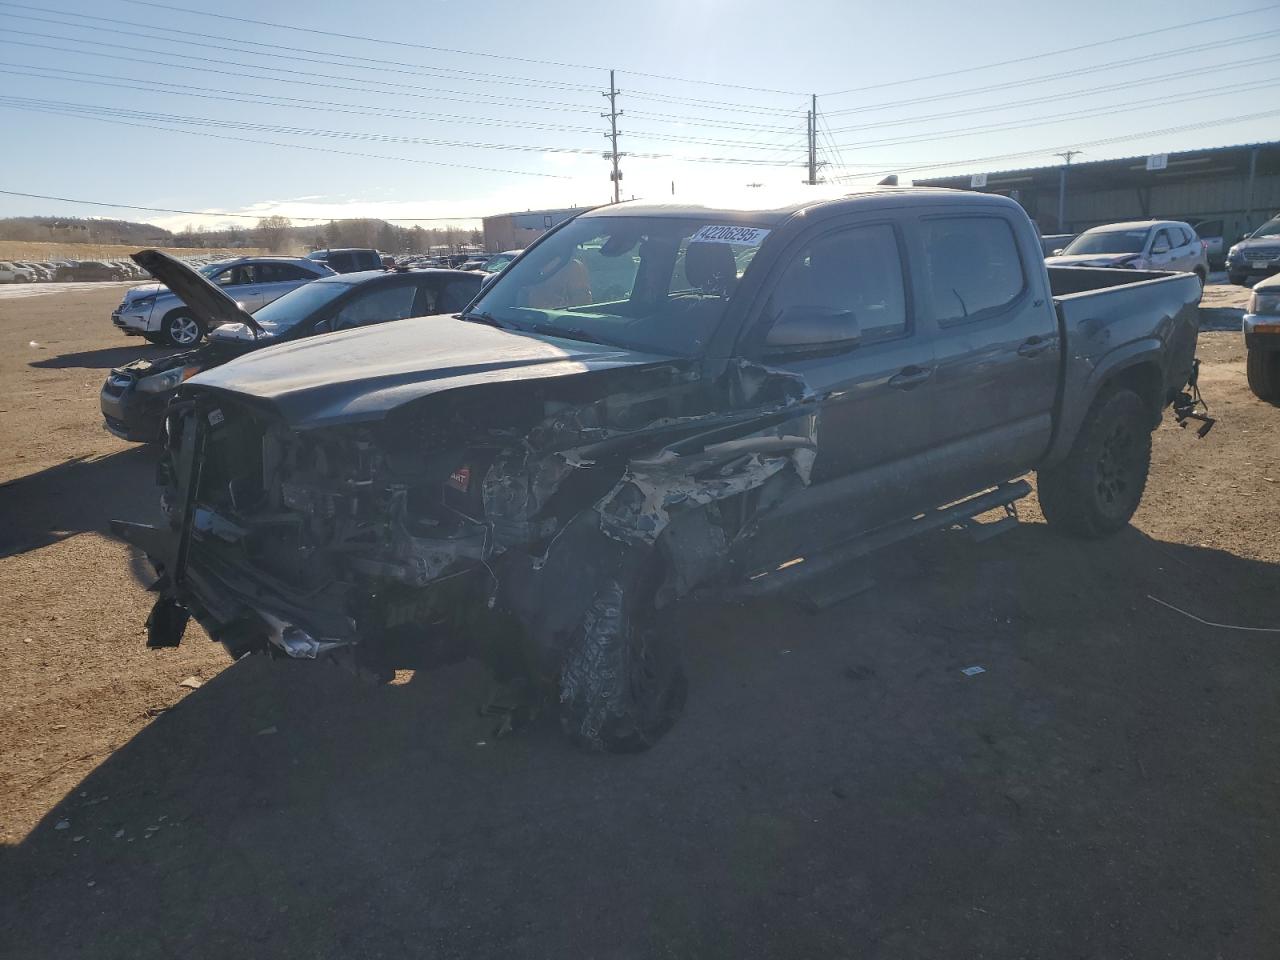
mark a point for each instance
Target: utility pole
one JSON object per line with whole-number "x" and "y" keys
{"x": 612, "y": 116}
{"x": 813, "y": 140}
{"x": 1066, "y": 155}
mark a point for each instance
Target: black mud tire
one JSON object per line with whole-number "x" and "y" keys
{"x": 1094, "y": 492}
{"x": 1236, "y": 279}
{"x": 1263, "y": 369}
{"x": 622, "y": 683}
{"x": 180, "y": 329}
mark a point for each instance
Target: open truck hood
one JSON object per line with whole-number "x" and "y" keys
{"x": 210, "y": 305}
{"x": 364, "y": 373}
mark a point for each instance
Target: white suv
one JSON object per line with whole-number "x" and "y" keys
{"x": 1138, "y": 245}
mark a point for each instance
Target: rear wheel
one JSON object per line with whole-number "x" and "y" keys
{"x": 1095, "y": 491}
{"x": 1263, "y": 369}
{"x": 181, "y": 329}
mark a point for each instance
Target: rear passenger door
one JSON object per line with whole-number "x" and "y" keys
{"x": 875, "y": 394}
{"x": 996, "y": 349}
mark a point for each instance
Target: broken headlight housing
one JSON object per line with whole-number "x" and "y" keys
{"x": 169, "y": 380}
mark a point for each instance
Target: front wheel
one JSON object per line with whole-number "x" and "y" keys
{"x": 1263, "y": 369}
{"x": 622, "y": 685}
{"x": 181, "y": 329}
{"x": 1237, "y": 279}
{"x": 1094, "y": 492}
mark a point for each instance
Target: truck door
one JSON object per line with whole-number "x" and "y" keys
{"x": 996, "y": 349}
{"x": 874, "y": 389}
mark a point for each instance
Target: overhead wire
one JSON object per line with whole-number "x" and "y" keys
{"x": 1155, "y": 31}
{"x": 1045, "y": 78}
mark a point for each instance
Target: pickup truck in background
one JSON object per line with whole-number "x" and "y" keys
{"x": 655, "y": 399}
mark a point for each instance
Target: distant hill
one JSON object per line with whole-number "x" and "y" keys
{"x": 77, "y": 230}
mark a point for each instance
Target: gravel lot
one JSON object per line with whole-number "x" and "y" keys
{"x": 838, "y": 787}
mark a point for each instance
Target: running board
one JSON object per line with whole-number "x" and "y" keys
{"x": 799, "y": 571}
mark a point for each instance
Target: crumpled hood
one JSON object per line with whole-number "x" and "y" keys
{"x": 364, "y": 373}
{"x": 1091, "y": 259}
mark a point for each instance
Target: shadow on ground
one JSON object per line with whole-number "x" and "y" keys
{"x": 103, "y": 359}
{"x": 77, "y": 496}
{"x": 837, "y": 787}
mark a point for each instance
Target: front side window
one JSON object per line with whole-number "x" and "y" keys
{"x": 972, "y": 266}
{"x": 282, "y": 272}
{"x": 646, "y": 283}
{"x": 1161, "y": 243}
{"x": 854, "y": 276}
{"x": 376, "y": 306}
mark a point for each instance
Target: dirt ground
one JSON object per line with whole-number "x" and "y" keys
{"x": 838, "y": 786}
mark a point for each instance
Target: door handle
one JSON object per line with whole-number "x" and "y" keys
{"x": 910, "y": 377}
{"x": 1035, "y": 346}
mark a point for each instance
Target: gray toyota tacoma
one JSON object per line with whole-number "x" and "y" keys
{"x": 649, "y": 400}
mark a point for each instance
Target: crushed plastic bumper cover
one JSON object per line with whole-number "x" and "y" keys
{"x": 448, "y": 526}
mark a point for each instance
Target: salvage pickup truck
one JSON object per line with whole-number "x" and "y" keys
{"x": 653, "y": 399}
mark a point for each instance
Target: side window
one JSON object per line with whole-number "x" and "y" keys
{"x": 244, "y": 274}
{"x": 224, "y": 278}
{"x": 972, "y": 266}
{"x": 282, "y": 272}
{"x": 1160, "y": 243}
{"x": 387, "y": 303}
{"x": 455, "y": 295}
{"x": 856, "y": 273}
{"x": 341, "y": 262}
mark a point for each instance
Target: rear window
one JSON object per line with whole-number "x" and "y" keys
{"x": 973, "y": 267}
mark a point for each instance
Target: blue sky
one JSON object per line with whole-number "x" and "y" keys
{"x": 346, "y": 117}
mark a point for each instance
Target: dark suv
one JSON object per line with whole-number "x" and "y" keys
{"x": 349, "y": 259}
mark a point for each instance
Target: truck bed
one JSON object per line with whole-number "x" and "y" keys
{"x": 1111, "y": 319}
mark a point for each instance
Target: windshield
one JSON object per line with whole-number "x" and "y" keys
{"x": 285, "y": 312}
{"x": 1269, "y": 229}
{"x": 658, "y": 284}
{"x": 1108, "y": 241}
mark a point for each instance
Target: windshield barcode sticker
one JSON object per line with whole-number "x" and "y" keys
{"x": 744, "y": 236}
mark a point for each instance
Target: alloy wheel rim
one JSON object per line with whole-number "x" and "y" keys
{"x": 184, "y": 330}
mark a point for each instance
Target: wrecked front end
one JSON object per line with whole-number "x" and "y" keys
{"x": 536, "y": 525}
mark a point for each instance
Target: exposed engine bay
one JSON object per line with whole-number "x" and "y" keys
{"x": 485, "y": 522}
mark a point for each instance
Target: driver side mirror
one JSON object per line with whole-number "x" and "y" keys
{"x": 804, "y": 329}
{"x": 1058, "y": 252}
{"x": 323, "y": 326}
{"x": 1161, "y": 246}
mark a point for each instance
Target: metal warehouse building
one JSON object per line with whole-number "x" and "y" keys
{"x": 1238, "y": 185}
{"x": 514, "y": 231}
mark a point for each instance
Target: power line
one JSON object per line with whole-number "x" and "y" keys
{"x": 519, "y": 102}
{"x": 1089, "y": 113}
{"x": 1013, "y": 104}
{"x": 99, "y": 112}
{"x": 935, "y": 165}
{"x": 237, "y": 216}
{"x": 1045, "y": 78}
{"x": 381, "y": 64}
{"x": 222, "y": 95}
{"x": 293, "y": 146}
{"x": 453, "y": 50}
{"x": 1049, "y": 53}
